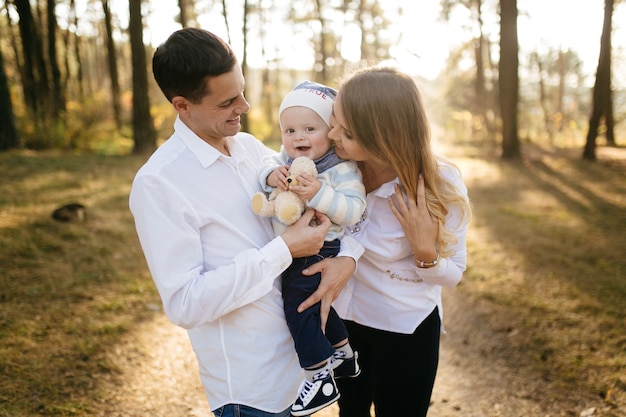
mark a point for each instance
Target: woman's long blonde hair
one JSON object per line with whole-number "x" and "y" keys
{"x": 385, "y": 113}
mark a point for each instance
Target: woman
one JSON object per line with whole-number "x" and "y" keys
{"x": 413, "y": 232}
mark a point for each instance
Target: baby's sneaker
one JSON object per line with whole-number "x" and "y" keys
{"x": 345, "y": 367}
{"x": 315, "y": 395}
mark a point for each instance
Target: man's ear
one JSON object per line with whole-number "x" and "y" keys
{"x": 181, "y": 104}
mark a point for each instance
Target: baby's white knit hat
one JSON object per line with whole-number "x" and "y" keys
{"x": 312, "y": 95}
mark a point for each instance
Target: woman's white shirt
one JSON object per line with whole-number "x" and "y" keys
{"x": 388, "y": 291}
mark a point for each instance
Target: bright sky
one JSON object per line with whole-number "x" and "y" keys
{"x": 422, "y": 39}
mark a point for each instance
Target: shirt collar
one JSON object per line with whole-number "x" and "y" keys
{"x": 206, "y": 154}
{"x": 325, "y": 162}
{"x": 387, "y": 189}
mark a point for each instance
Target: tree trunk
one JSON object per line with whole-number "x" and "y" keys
{"x": 245, "y": 121}
{"x": 34, "y": 76}
{"x": 16, "y": 50}
{"x": 543, "y": 98}
{"x": 320, "y": 73}
{"x": 601, "y": 100}
{"x": 608, "y": 117}
{"x": 480, "y": 92}
{"x": 560, "y": 108}
{"x": 79, "y": 72}
{"x": 509, "y": 78}
{"x": 9, "y": 138}
{"x": 225, "y": 15}
{"x": 187, "y": 16}
{"x": 66, "y": 61}
{"x": 270, "y": 83}
{"x": 184, "y": 20}
{"x": 58, "y": 93}
{"x": 112, "y": 61}
{"x": 144, "y": 135}
{"x": 360, "y": 20}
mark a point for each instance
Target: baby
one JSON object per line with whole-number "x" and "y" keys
{"x": 337, "y": 192}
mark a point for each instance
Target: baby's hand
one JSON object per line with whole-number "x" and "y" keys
{"x": 307, "y": 186}
{"x": 278, "y": 178}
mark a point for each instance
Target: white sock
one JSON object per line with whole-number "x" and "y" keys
{"x": 347, "y": 349}
{"x": 309, "y": 373}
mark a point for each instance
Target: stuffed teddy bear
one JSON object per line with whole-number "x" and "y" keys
{"x": 286, "y": 206}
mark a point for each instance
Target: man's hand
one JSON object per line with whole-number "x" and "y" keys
{"x": 336, "y": 272}
{"x": 306, "y": 239}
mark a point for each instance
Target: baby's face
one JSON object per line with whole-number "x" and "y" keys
{"x": 304, "y": 133}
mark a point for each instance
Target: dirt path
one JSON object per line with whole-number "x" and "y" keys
{"x": 476, "y": 379}
{"x": 159, "y": 375}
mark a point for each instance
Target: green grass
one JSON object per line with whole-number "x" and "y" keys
{"x": 67, "y": 290}
{"x": 546, "y": 250}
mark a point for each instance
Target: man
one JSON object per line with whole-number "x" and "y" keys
{"x": 215, "y": 263}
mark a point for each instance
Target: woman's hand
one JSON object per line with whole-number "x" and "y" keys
{"x": 336, "y": 272}
{"x": 419, "y": 227}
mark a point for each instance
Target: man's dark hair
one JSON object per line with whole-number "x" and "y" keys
{"x": 183, "y": 62}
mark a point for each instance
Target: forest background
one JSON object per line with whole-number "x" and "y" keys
{"x": 538, "y": 129}
{"x": 76, "y": 74}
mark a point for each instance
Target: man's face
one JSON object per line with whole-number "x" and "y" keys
{"x": 217, "y": 115}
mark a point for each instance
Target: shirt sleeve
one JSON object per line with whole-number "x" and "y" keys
{"x": 342, "y": 194}
{"x": 170, "y": 235}
{"x": 350, "y": 247}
